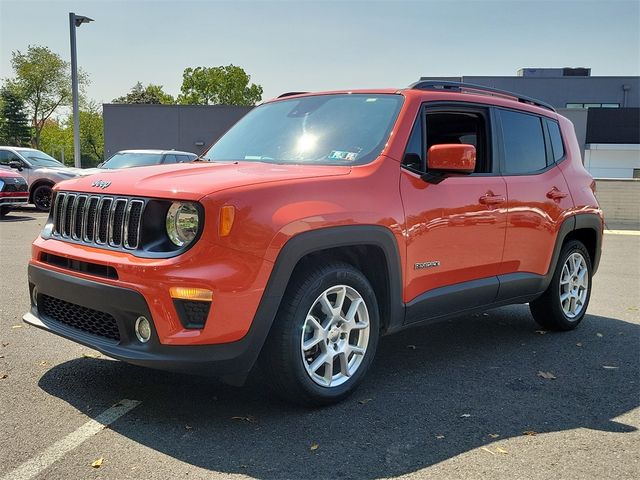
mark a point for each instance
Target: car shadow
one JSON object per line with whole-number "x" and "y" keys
{"x": 433, "y": 393}
{"x": 13, "y": 216}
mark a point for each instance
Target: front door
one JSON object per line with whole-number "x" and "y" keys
{"x": 455, "y": 229}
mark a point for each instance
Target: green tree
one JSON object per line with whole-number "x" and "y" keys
{"x": 43, "y": 79}
{"x": 223, "y": 85}
{"x": 56, "y": 139}
{"x": 153, "y": 94}
{"x": 91, "y": 134}
{"x": 14, "y": 125}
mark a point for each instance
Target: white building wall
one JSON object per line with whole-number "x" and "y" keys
{"x": 612, "y": 160}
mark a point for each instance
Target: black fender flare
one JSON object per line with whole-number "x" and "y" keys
{"x": 578, "y": 221}
{"x": 314, "y": 241}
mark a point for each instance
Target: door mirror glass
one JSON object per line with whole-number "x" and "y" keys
{"x": 452, "y": 157}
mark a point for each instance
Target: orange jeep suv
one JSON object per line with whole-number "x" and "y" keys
{"x": 318, "y": 223}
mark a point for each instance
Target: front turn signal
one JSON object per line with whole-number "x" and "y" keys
{"x": 227, "y": 215}
{"x": 191, "y": 293}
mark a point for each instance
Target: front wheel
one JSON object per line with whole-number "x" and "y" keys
{"x": 324, "y": 337}
{"x": 4, "y": 210}
{"x": 563, "y": 305}
{"x": 42, "y": 198}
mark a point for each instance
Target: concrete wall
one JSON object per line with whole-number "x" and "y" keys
{"x": 620, "y": 202}
{"x": 182, "y": 127}
{"x": 578, "y": 117}
{"x": 604, "y": 160}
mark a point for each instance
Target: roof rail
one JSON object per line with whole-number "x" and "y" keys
{"x": 473, "y": 88}
{"x": 289, "y": 94}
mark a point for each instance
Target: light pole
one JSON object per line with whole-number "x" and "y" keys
{"x": 75, "y": 21}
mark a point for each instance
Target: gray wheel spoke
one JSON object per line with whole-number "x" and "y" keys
{"x": 574, "y": 285}
{"x": 335, "y": 334}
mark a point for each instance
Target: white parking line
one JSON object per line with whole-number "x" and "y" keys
{"x": 622, "y": 232}
{"x": 55, "y": 452}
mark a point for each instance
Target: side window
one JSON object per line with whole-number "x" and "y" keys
{"x": 460, "y": 127}
{"x": 414, "y": 153}
{"x": 6, "y": 156}
{"x": 556, "y": 139}
{"x": 185, "y": 158}
{"x": 524, "y": 149}
{"x": 170, "y": 159}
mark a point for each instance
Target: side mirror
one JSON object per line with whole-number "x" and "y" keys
{"x": 451, "y": 158}
{"x": 16, "y": 164}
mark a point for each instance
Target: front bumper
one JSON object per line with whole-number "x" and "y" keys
{"x": 13, "y": 199}
{"x": 125, "y": 306}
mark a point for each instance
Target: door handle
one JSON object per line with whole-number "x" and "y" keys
{"x": 555, "y": 194}
{"x": 490, "y": 199}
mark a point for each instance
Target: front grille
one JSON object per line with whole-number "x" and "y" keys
{"x": 79, "y": 317}
{"x": 11, "y": 185}
{"x": 98, "y": 219}
{"x": 192, "y": 313}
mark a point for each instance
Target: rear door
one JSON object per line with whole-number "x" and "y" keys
{"x": 538, "y": 195}
{"x": 455, "y": 229}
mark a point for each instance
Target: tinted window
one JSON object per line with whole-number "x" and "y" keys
{"x": 170, "y": 159}
{"x": 186, "y": 158}
{"x": 459, "y": 128}
{"x": 556, "y": 140}
{"x": 6, "y": 156}
{"x": 524, "y": 149}
{"x": 132, "y": 159}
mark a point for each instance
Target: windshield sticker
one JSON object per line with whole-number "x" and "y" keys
{"x": 339, "y": 155}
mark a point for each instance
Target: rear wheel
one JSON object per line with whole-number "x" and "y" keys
{"x": 563, "y": 305}
{"x": 42, "y": 198}
{"x": 324, "y": 337}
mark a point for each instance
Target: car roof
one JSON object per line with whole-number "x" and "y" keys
{"x": 20, "y": 149}
{"x": 155, "y": 151}
{"x": 487, "y": 98}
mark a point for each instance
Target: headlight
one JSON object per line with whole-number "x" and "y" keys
{"x": 182, "y": 223}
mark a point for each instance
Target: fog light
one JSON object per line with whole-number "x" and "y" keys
{"x": 143, "y": 329}
{"x": 34, "y": 296}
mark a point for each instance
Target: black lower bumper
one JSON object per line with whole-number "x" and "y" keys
{"x": 125, "y": 306}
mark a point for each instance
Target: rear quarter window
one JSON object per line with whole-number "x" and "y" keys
{"x": 556, "y": 140}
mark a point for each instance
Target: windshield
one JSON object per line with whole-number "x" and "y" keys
{"x": 40, "y": 159}
{"x": 345, "y": 129}
{"x": 126, "y": 160}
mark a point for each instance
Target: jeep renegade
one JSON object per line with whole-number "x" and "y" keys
{"x": 318, "y": 223}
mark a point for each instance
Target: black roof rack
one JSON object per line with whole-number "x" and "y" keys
{"x": 472, "y": 88}
{"x": 289, "y": 94}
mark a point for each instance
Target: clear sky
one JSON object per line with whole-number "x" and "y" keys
{"x": 323, "y": 45}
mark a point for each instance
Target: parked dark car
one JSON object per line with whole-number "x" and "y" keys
{"x": 13, "y": 191}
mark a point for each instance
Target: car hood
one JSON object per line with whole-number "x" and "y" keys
{"x": 192, "y": 181}
{"x": 71, "y": 171}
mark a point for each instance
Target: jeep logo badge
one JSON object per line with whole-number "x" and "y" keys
{"x": 101, "y": 184}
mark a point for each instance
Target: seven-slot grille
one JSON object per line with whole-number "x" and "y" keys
{"x": 98, "y": 219}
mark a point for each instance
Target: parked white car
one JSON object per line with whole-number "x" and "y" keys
{"x": 41, "y": 171}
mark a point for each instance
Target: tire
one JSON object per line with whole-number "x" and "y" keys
{"x": 42, "y": 198}
{"x": 4, "y": 211}
{"x": 298, "y": 374}
{"x": 551, "y": 310}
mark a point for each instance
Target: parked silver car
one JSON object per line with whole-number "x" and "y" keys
{"x": 142, "y": 158}
{"x": 40, "y": 170}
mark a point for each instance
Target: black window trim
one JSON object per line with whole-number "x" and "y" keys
{"x": 547, "y": 146}
{"x": 564, "y": 145}
{"x": 493, "y": 147}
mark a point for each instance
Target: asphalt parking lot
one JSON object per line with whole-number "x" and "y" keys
{"x": 461, "y": 399}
